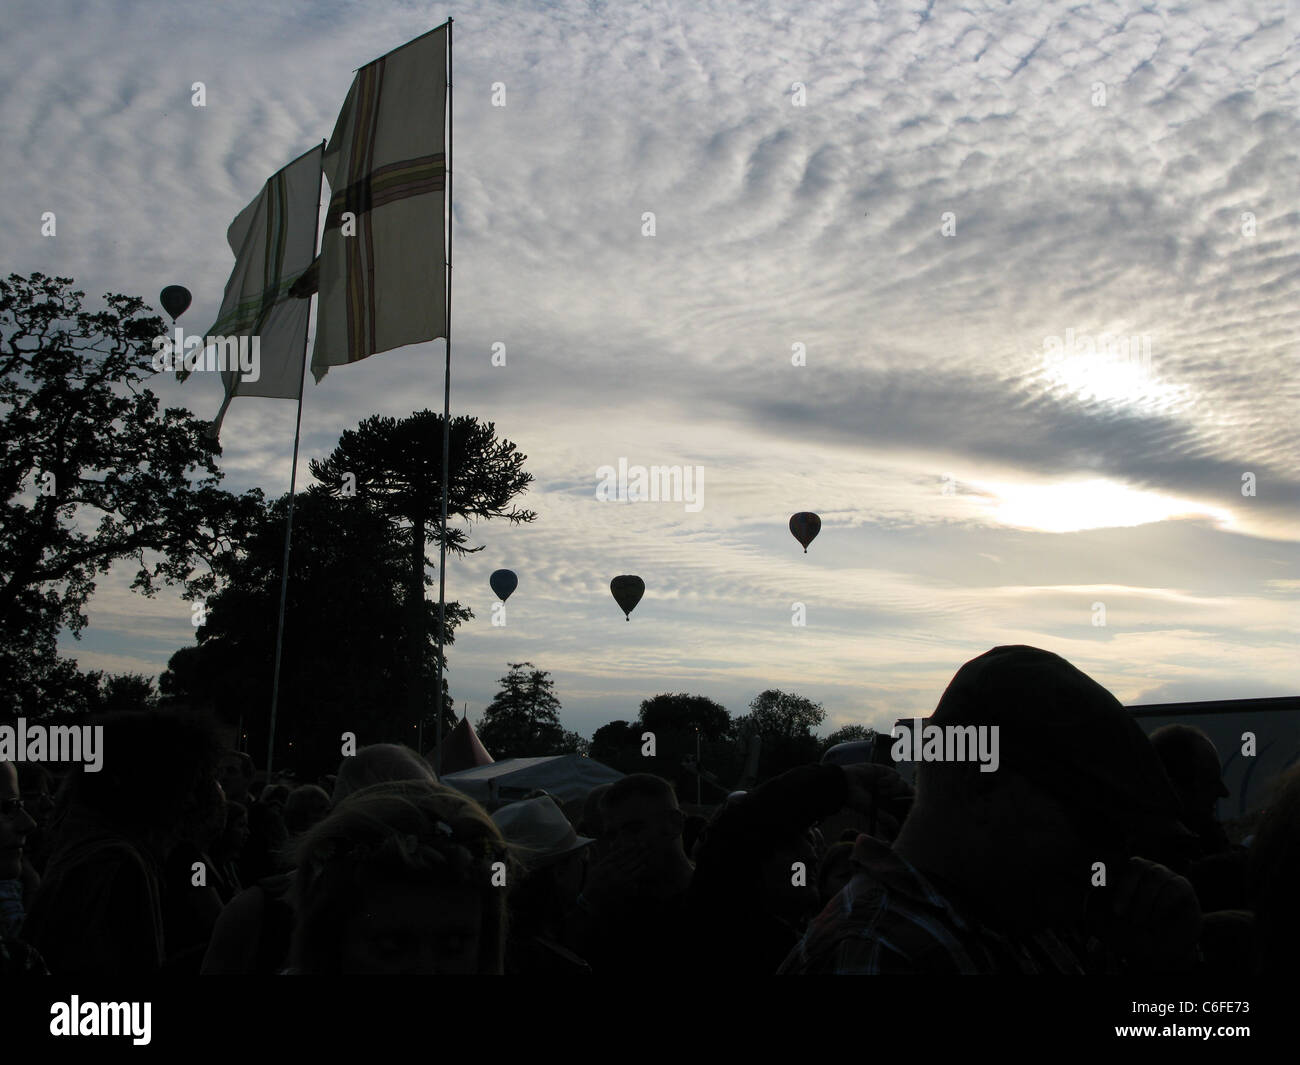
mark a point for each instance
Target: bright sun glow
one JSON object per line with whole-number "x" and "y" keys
{"x": 1111, "y": 368}
{"x": 1095, "y": 504}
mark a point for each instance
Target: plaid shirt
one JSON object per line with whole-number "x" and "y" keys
{"x": 891, "y": 920}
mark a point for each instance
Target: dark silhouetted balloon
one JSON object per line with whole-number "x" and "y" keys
{"x": 175, "y": 300}
{"x": 627, "y": 591}
{"x": 805, "y": 525}
{"x": 503, "y": 582}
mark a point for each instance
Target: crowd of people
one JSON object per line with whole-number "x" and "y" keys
{"x": 1091, "y": 849}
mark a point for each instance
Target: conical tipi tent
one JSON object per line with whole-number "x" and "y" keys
{"x": 464, "y": 749}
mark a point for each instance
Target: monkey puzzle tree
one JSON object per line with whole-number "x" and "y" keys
{"x": 395, "y": 467}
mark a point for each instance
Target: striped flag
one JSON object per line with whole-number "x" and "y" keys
{"x": 383, "y": 260}
{"x": 274, "y": 240}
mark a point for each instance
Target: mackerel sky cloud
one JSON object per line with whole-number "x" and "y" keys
{"x": 952, "y": 187}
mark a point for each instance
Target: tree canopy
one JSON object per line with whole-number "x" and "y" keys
{"x": 523, "y": 719}
{"x": 394, "y": 467}
{"x": 345, "y": 635}
{"x": 92, "y": 472}
{"x": 785, "y": 722}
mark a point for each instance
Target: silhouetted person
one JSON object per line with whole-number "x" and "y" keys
{"x": 992, "y": 872}
{"x": 307, "y": 805}
{"x": 1217, "y": 869}
{"x": 37, "y": 787}
{"x": 235, "y": 774}
{"x": 592, "y": 822}
{"x": 1192, "y": 764}
{"x": 835, "y": 870}
{"x": 99, "y": 910}
{"x": 692, "y": 829}
{"x": 554, "y": 858}
{"x": 253, "y": 932}
{"x": 192, "y": 893}
{"x": 16, "y": 827}
{"x": 378, "y": 763}
{"x": 17, "y": 958}
{"x": 633, "y": 910}
{"x": 755, "y": 881}
{"x": 226, "y": 851}
{"x": 265, "y": 851}
{"x": 399, "y": 880}
{"x": 1274, "y": 879}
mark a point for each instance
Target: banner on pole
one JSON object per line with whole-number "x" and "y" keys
{"x": 274, "y": 241}
{"x": 382, "y": 279}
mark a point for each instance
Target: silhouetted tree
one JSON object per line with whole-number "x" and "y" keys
{"x": 395, "y": 467}
{"x": 91, "y": 473}
{"x": 674, "y": 719}
{"x": 785, "y": 722}
{"x": 125, "y": 691}
{"x": 682, "y": 713}
{"x": 847, "y": 734}
{"x": 523, "y": 719}
{"x": 345, "y": 635}
{"x": 618, "y": 745}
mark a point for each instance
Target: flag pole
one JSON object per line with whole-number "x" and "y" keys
{"x": 288, "y": 525}
{"x": 446, "y": 442}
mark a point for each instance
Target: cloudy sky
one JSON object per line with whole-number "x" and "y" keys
{"x": 915, "y": 196}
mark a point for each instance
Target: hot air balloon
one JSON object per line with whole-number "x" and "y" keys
{"x": 175, "y": 300}
{"x": 628, "y": 591}
{"x": 503, "y": 582}
{"x": 805, "y": 525}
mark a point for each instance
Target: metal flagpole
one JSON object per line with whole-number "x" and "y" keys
{"x": 446, "y": 440}
{"x": 288, "y": 525}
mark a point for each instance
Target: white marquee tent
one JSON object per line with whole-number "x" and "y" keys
{"x": 568, "y": 777}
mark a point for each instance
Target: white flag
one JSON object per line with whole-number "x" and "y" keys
{"x": 382, "y": 261}
{"x": 274, "y": 240}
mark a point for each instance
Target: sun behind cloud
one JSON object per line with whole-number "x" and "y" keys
{"x": 1094, "y": 504}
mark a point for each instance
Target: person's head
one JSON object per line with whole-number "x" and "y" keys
{"x": 15, "y": 824}
{"x": 1192, "y": 765}
{"x": 553, "y": 854}
{"x": 400, "y": 878}
{"x": 158, "y": 778}
{"x": 640, "y": 813}
{"x": 378, "y": 763}
{"x": 305, "y": 806}
{"x": 235, "y": 774}
{"x": 1075, "y": 782}
{"x": 274, "y": 795}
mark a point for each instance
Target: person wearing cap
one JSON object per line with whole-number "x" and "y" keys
{"x": 554, "y": 857}
{"x": 1029, "y": 867}
{"x": 1218, "y": 868}
{"x": 633, "y": 914}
